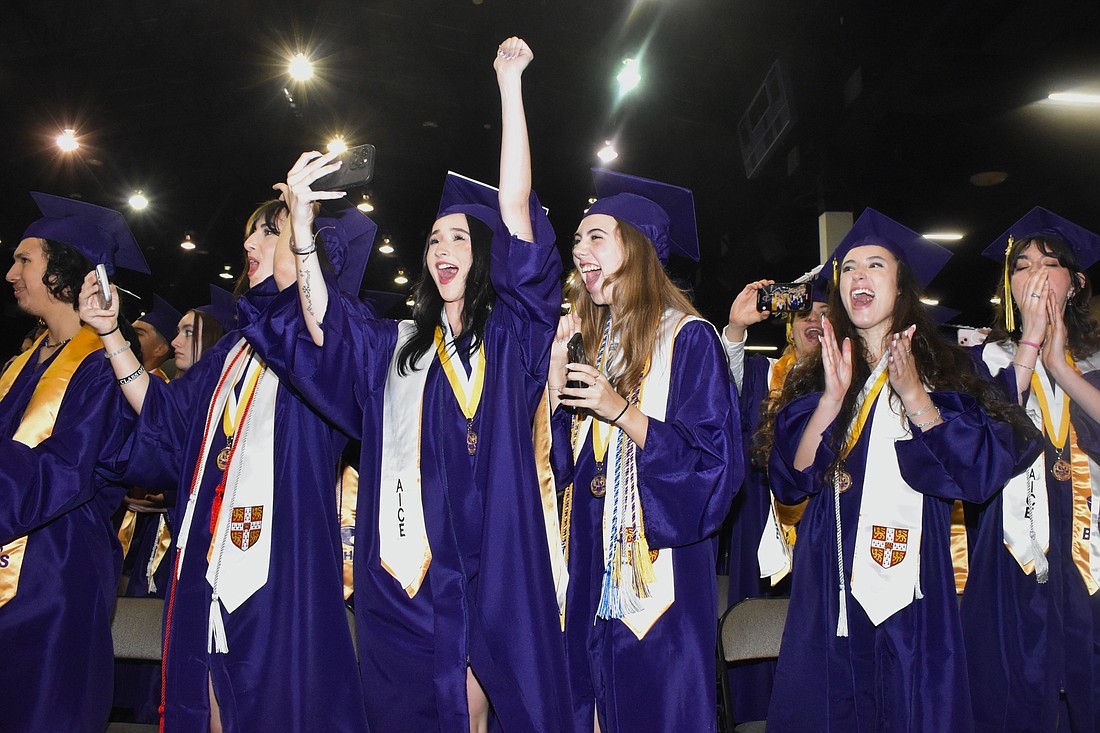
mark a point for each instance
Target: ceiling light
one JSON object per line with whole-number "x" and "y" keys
{"x": 607, "y": 153}
{"x": 761, "y": 348}
{"x": 944, "y": 236}
{"x": 301, "y": 68}
{"x": 67, "y": 140}
{"x": 591, "y": 200}
{"x": 410, "y": 302}
{"x": 929, "y": 301}
{"x": 386, "y": 248}
{"x": 365, "y": 205}
{"x": 138, "y": 201}
{"x": 337, "y": 145}
{"x": 995, "y": 300}
{"x": 630, "y": 76}
{"x": 186, "y": 244}
{"x": 401, "y": 279}
{"x": 225, "y": 275}
{"x": 1074, "y": 98}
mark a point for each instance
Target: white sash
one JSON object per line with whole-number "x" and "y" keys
{"x": 1024, "y": 504}
{"x": 773, "y": 552}
{"x": 403, "y": 537}
{"x": 886, "y": 565}
{"x": 653, "y": 401}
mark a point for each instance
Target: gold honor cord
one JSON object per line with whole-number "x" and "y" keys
{"x": 467, "y": 402}
{"x": 843, "y": 478}
{"x": 37, "y": 425}
{"x": 1061, "y": 468}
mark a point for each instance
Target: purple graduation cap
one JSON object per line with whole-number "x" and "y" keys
{"x": 462, "y": 195}
{"x": 163, "y": 317}
{"x": 661, "y": 211}
{"x": 1044, "y": 224}
{"x": 98, "y": 233}
{"x": 348, "y": 238}
{"x": 223, "y": 307}
{"x": 924, "y": 257}
{"x": 380, "y": 301}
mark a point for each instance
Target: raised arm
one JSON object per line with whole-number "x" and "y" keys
{"x": 512, "y": 58}
{"x": 128, "y": 370}
{"x": 302, "y": 247}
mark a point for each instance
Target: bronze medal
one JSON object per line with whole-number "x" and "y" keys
{"x": 843, "y": 480}
{"x": 471, "y": 438}
{"x": 223, "y": 457}
{"x": 1061, "y": 470}
{"x": 598, "y": 486}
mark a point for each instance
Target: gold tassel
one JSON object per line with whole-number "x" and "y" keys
{"x": 642, "y": 562}
{"x": 836, "y": 275}
{"x": 790, "y": 321}
{"x": 1010, "y": 316}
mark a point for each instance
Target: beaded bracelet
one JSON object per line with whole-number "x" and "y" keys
{"x": 116, "y": 352}
{"x": 126, "y": 380}
{"x": 929, "y": 423}
{"x": 1023, "y": 366}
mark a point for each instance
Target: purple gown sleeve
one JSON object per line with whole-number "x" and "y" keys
{"x": 38, "y": 485}
{"x": 692, "y": 463}
{"x": 337, "y": 378}
{"x": 1005, "y": 379}
{"x": 527, "y": 278}
{"x": 790, "y": 485}
{"x": 561, "y": 450}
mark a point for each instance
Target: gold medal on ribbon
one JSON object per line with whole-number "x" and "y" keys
{"x": 471, "y": 438}
{"x": 223, "y": 458}
{"x": 843, "y": 480}
{"x": 1060, "y": 470}
{"x": 598, "y": 487}
{"x": 467, "y": 390}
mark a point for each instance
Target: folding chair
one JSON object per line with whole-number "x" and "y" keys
{"x": 137, "y": 634}
{"x": 751, "y": 630}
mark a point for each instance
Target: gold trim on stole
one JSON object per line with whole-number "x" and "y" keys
{"x": 37, "y": 425}
{"x": 1081, "y": 481}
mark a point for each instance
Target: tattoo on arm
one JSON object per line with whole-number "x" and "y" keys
{"x": 306, "y": 294}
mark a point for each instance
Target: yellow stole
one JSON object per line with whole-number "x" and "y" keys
{"x": 347, "y": 497}
{"x": 788, "y": 516}
{"x": 37, "y": 425}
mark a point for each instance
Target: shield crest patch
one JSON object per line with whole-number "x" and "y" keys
{"x": 244, "y": 526}
{"x": 888, "y": 545}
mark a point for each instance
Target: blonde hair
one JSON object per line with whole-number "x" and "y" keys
{"x": 643, "y": 292}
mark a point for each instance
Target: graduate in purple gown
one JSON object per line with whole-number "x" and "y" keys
{"x": 456, "y": 610}
{"x": 60, "y": 415}
{"x": 647, "y": 445}
{"x": 1031, "y": 612}
{"x": 256, "y": 635}
{"x": 761, "y": 531}
{"x": 882, "y": 431}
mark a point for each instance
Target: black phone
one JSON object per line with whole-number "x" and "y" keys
{"x": 575, "y": 347}
{"x": 357, "y": 170}
{"x": 785, "y": 298}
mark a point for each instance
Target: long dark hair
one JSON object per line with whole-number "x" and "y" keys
{"x": 268, "y": 214}
{"x": 1081, "y": 330}
{"x": 64, "y": 272}
{"x": 943, "y": 365}
{"x": 477, "y": 304}
{"x": 208, "y": 330}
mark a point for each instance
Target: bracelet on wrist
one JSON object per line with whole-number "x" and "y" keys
{"x": 926, "y": 409}
{"x": 929, "y": 423}
{"x": 116, "y": 352}
{"x": 552, "y": 388}
{"x": 617, "y": 417}
{"x": 1023, "y": 366}
{"x": 108, "y": 333}
{"x": 127, "y": 379}
{"x": 1032, "y": 344}
{"x": 302, "y": 252}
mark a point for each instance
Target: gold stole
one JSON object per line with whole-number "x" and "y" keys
{"x": 960, "y": 558}
{"x": 1081, "y": 481}
{"x": 347, "y": 497}
{"x": 37, "y": 425}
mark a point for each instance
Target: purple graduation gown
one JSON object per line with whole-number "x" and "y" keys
{"x": 57, "y": 661}
{"x": 750, "y": 683}
{"x": 488, "y": 596}
{"x": 687, "y": 475}
{"x": 909, "y": 672}
{"x": 291, "y": 665}
{"x": 1029, "y": 642}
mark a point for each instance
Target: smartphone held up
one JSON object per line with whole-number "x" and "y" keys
{"x": 104, "y": 286}
{"x": 356, "y": 169}
{"x": 785, "y": 298}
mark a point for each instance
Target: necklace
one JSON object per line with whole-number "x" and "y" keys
{"x": 47, "y": 345}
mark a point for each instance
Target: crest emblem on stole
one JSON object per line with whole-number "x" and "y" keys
{"x": 244, "y": 526}
{"x": 888, "y": 545}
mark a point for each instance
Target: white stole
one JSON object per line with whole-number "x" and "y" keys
{"x": 886, "y": 565}
{"x": 403, "y": 537}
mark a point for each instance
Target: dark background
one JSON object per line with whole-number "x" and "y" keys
{"x": 896, "y": 105}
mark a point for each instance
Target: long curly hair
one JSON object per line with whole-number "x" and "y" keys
{"x": 944, "y": 366}
{"x": 65, "y": 271}
{"x": 643, "y": 291}
{"x": 1081, "y": 330}
{"x": 477, "y": 304}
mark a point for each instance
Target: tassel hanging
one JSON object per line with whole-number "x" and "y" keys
{"x": 1010, "y": 308}
{"x": 1042, "y": 565}
{"x": 216, "y": 641}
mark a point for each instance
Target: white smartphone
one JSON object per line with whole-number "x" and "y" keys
{"x": 104, "y": 286}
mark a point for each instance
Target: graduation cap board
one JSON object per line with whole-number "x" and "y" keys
{"x": 923, "y": 256}
{"x": 223, "y": 307}
{"x": 348, "y": 237}
{"x": 163, "y": 317}
{"x": 98, "y": 233}
{"x": 462, "y": 195}
{"x": 661, "y": 211}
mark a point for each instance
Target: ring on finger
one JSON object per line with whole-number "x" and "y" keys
{"x": 1034, "y": 295}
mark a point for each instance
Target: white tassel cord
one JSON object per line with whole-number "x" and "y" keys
{"x": 842, "y": 617}
{"x": 216, "y": 638}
